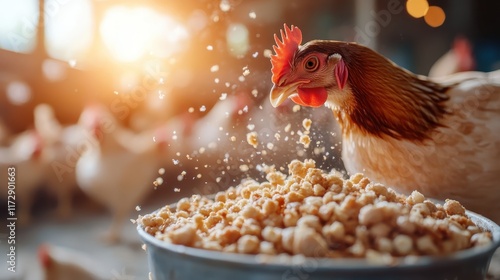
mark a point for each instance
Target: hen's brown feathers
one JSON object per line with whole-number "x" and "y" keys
{"x": 387, "y": 99}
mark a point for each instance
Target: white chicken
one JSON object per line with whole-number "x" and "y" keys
{"x": 203, "y": 149}
{"x": 117, "y": 168}
{"x": 152, "y": 113}
{"x": 62, "y": 145}
{"x": 46, "y": 123}
{"x": 216, "y": 133}
{"x": 459, "y": 59}
{"x": 213, "y": 131}
{"x": 25, "y": 154}
{"x": 60, "y": 263}
{"x": 186, "y": 134}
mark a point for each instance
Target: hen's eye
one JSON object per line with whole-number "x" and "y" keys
{"x": 311, "y": 64}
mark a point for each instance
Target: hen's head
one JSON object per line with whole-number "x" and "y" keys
{"x": 366, "y": 91}
{"x": 97, "y": 120}
{"x": 306, "y": 74}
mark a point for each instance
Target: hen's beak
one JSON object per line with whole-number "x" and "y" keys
{"x": 280, "y": 93}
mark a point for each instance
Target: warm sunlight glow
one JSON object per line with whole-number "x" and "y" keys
{"x": 417, "y": 8}
{"x": 69, "y": 27}
{"x": 18, "y": 23}
{"x": 435, "y": 16}
{"x": 130, "y": 33}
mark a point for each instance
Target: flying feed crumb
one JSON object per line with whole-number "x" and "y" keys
{"x": 288, "y": 127}
{"x": 252, "y": 139}
{"x": 306, "y": 123}
{"x": 244, "y": 168}
{"x": 305, "y": 140}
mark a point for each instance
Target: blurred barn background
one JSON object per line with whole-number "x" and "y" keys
{"x": 112, "y": 108}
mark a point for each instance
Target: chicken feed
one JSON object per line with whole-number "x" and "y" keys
{"x": 314, "y": 213}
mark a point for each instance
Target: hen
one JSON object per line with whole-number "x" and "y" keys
{"x": 60, "y": 263}
{"x": 61, "y": 147}
{"x": 439, "y": 136}
{"x": 26, "y": 155}
{"x": 459, "y": 59}
{"x": 117, "y": 167}
{"x": 197, "y": 143}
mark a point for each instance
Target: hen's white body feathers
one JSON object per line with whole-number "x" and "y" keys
{"x": 461, "y": 160}
{"x": 118, "y": 172}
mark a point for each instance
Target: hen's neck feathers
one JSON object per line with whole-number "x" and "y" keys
{"x": 386, "y": 99}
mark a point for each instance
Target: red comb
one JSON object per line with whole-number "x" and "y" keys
{"x": 44, "y": 256}
{"x": 38, "y": 144}
{"x": 285, "y": 50}
{"x": 161, "y": 135}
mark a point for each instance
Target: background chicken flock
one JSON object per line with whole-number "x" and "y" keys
{"x": 99, "y": 162}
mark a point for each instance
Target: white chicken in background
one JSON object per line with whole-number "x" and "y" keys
{"x": 191, "y": 137}
{"x": 62, "y": 147}
{"x": 200, "y": 150}
{"x": 26, "y": 155}
{"x": 215, "y": 129}
{"x": 117, "y": 168}
{"x": 60, "y": 263}
{"x": 459, "y": 59}
{"x": 153, "y": 112}
{"x": 186, "y": 133}
{"x": 46, "y": 123}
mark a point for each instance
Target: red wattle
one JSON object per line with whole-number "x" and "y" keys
{"x": 312, "y": 97}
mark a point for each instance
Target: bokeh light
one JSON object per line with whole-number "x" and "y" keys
{"x": 237, "y": 37}
{"x": 54, "y": 70}
{"x": 198, "y": 20}
{"x": 435, "y": 16}
{"x": 130, "y": 33}
{"x": 18, "y": 92}
{"x": 224, "y": 5}
{"x": 417, "y": 8}
{"x": 69, "y": 28}
{"x": 18, "y": 23}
